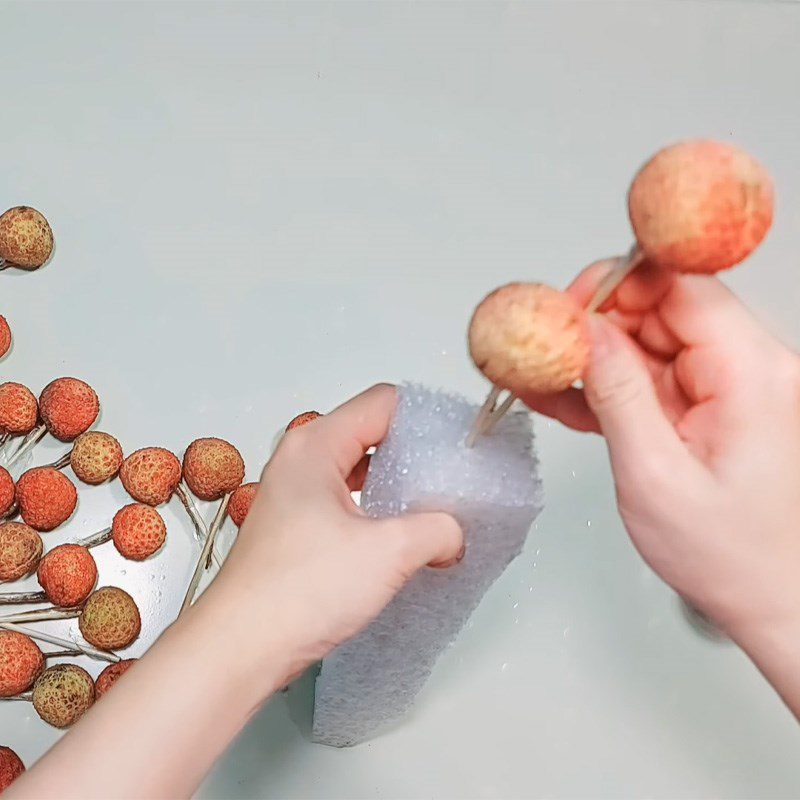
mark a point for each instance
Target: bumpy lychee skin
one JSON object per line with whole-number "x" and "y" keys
{"x": 150, "y": 475}
{"x": 700, "y": 206}
{"x": 26, "y": 240}
{"x": 11, "y": 767}
{"x": 46, "y": 498}
{"x": 111, "y": 674}
{"x": 67, "y": 574}
{"x": 7, "y": 492}
{"x": 529, "y": 338}
{"x": 68, "y": 407}
{"x": 303, "y": 419}
{"x": 63, "y": 694}
{"x": 96, "y": 457}
{"x": 212, "y": 468}
{"x": 20, "y": 550}
{"x": 110, "y": 619}
{"x": 138, "y": 531}
{"x": 19, "y": 409}
{"x": 5, "y": 336}
{"x": 21, "y": 663}
{"x": 240, "y": 503}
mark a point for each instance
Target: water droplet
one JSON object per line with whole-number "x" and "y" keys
{"x": 504, "y": 667}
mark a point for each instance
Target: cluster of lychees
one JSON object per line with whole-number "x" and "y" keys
{"x": 44, "y": 498}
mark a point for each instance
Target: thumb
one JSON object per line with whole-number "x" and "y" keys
{"x": 430, "y": 538}
{"x": 620, "y": 392}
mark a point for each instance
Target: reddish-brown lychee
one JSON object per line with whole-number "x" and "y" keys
{"x": 700, "y": 206}
{"x": 26, "y": 240}
{"x": 11, "y": 767}
{"x": 150, "y": 475}
{"x": 527, "y": 337}
{"x": 240, "y": 503}
{"x": 19, "y": 409}
{"x": 46, "y": 498}
{"x": 68, "y": 407}
{"x": 212, "y": 468}
{"x": 63, "y": 694}
{"x": 67, "y": 574}
{"x": 21, "y": 663}
{"x": 7, "y": 492}
{"x": 20, "y": 550}
{"x": 110, "y": 619}
{"x": 138, "y": 531}
{"x": 303, "y": 419}
{"x": 96, "y": 457}
{"x": 111, "y": 674}
{"x": 5, "y": 336}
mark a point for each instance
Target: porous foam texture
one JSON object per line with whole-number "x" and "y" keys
{"x": 494, "y": 492}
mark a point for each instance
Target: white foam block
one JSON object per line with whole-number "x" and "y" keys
{"x": 423, "y": 465}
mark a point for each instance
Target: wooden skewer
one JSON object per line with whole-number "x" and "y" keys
{"x": 200, "y": 528}
{"x": 86, "y": 649}
{"x": 28, "y": 443}
{"x": 483, "y": 415}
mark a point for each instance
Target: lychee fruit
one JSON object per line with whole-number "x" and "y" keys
{"x": 212, "y": 468}
{"x": 20, "y": 550}
{"x": 240, "y": 503}
{"x": 19, "y": 409}
{"x": 46, "y": 498}
{"x": 7, "y": 492}
{"x": 700, "y": 206}
{"x": 63, "y": 694}
{"x": 95, "y": 457}
{"x": 110, "y": 619}
{"x": 138, "y": 531}
{"x": 67, "y": 574}
{"x": 11, "y": 767}
{"x": 151, "y": 475}
{"x": 527, "y": 337}
{"x": 5, "y": 336}
{"x": 111, "y": 674}
{"x": 68, "y": 407}
{"x": 26, "y": 240}
{"x": 21, "y": 663}
{"x": 303, "y": 419}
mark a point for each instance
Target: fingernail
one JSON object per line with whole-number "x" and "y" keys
{"x": 461, "y": 552}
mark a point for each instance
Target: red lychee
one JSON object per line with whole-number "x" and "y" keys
{"x": 7, "y": 492}
{"x": 19, "y": 409}
{"x": 111, "y": 674}
{"x": 20, "y": 550}
{"x": 68, "y": 407}
{"x": 138, "y": 531}
{"x": 240, "y": 502}
{"x": 110, "y": 619}
{"x": 5, "y": 336}
{"x": 11, "y": 767}
{"x": 303, "y": 419}
{"x": 96, "y": 457}
{"x": 527, "y": 337}
{"x": 46, "y": 498}
{"x": 150, "y": 475}
{"x": 212, "y": 468}
{"x": 26, "y": 240}
{"x": 63, "y": 694}
{"x": 67, "y": 574}
{"x": 700, "y": 206}
{"x": 21, "y": 663}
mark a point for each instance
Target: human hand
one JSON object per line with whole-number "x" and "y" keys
{"x": 700, "y": 407}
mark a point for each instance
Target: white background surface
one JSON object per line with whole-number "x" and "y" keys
{"x": 265, "y": 208}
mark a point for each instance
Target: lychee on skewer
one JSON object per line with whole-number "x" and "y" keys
{"x": 68, "y": 407}
{"x": 19, "y": 411}
{"x": 109, "y": 619}
{"x": 46, "y": 498}
{"x": 66, "y": 646}
{"x": 137, "y": 531}
{"x": 67, "y": 575}
{"x": 11, "y": 767}
{"x": 20, "y": 550}
{"x": 240, "y": 503}
{"x": 8, "y": 494}
{"x": 111, "y": 674}
{"x": 21, "y": 663}
{"x": 5, "y": 336}
{"x": 302, "y": 419}
{"x": 26, "y": 239}
{"x": 63, "y": 694}
{"x": 95, "y": 457}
